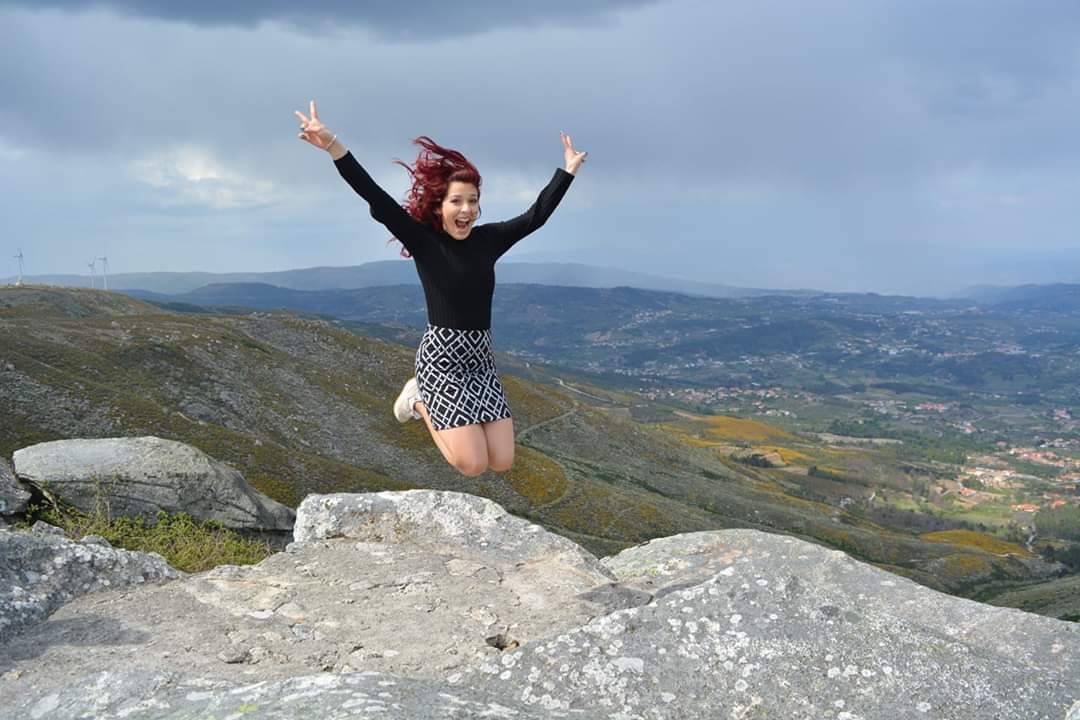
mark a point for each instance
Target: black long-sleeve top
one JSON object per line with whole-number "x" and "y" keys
{"x": 458, "y": 275}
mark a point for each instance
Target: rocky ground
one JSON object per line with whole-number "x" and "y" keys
{"x": 432, "y": 604}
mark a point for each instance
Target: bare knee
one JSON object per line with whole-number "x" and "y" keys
{"x": 501, "y": 462}
{"x": 470, "y": 466}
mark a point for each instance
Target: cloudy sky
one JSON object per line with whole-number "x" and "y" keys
{"x": 903, "y": 146}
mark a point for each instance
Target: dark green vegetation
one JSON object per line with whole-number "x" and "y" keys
{"x": 302, "y": 405}
{"x": 185, "y": 543}
{"x": 1062, "y": 522}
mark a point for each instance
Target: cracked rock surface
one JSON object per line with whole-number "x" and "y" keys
{"x": 432, "y": 604}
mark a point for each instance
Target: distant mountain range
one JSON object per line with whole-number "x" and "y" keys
{"x": 403, "y": 302}
{"x": 1059, "y": 297}
{"x": 398, "y": 272}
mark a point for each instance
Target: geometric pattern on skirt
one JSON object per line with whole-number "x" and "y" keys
{"x": 455, "y": 370}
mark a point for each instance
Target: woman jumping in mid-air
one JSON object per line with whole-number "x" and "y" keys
{"x": 456, "y": 390}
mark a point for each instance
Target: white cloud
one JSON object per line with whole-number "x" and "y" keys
{"x": 190, "y": 175}
{"x": 9, "y": 151}
{"x": 512, "y": 188}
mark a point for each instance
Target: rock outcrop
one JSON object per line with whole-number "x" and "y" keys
{"x": 13, "y": 497}
{"x": 428, "y": 604}
{"x": 140, "y": 476}
{"x": 759, "y": 458}
{"x": 42, "y": 570}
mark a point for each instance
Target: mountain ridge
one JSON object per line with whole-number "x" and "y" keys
{"x": 398, "y": 272}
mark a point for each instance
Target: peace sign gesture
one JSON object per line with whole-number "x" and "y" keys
{"x": 573, "y": 157}
{"x": 313, "y": 131}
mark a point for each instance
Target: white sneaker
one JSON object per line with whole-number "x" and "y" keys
{"x": 403, "y": 406}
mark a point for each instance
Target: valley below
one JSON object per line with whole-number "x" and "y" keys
{"x": 870, "y": 464}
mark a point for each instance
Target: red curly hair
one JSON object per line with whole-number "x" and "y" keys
{"x": 435, "y": 168}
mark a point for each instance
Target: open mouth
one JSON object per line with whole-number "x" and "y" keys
{"x": 462, "y": 224}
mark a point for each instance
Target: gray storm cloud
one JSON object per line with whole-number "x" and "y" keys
{"x": 413, "y": 20}
{"x": 849, "y": 144}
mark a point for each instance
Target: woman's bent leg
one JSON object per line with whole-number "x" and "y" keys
{"x": 463, "y": 447}
{"x": 500, "y": 444}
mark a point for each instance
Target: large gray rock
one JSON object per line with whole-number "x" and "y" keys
{"x": 438, "y": 519}
{"x": 13, "y": 497}
{"x": 39, "y": 572}
{"x": 667, "y": 564}
{"x": 419, "y": 583}
{"x": 140, "y": 476}
{"x": 369, "y": 695}
{"x": 405, "y": 600}
{"x": 746, "y": 624}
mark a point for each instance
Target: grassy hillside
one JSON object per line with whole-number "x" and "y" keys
{"x": 299, "y": 405}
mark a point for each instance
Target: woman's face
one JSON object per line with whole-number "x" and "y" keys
{"x": 459, "y": 209}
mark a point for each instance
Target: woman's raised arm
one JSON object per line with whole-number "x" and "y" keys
{"x": 383, "y": 207}
{"x": 505, "y": 234}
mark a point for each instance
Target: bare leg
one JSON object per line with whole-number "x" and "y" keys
{"x": 439, "y": 442}
{"x": 463, "y": 447}
{"x": 500, "y": 444}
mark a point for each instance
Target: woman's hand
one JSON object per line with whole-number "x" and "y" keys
{"x": 573, "y": 157}
{"x": 314, "y": 131}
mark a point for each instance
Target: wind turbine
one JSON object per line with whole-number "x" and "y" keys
{"x": 105, "y": 270}
{"x": 91, "y": 265}
{"x": 19, "y": 258}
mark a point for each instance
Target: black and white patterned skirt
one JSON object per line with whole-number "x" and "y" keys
{"x": 455, "y": 370}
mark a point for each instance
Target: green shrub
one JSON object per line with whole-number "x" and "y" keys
{"x": 186, "y": 543}
{"x": 1062, "y": 522}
